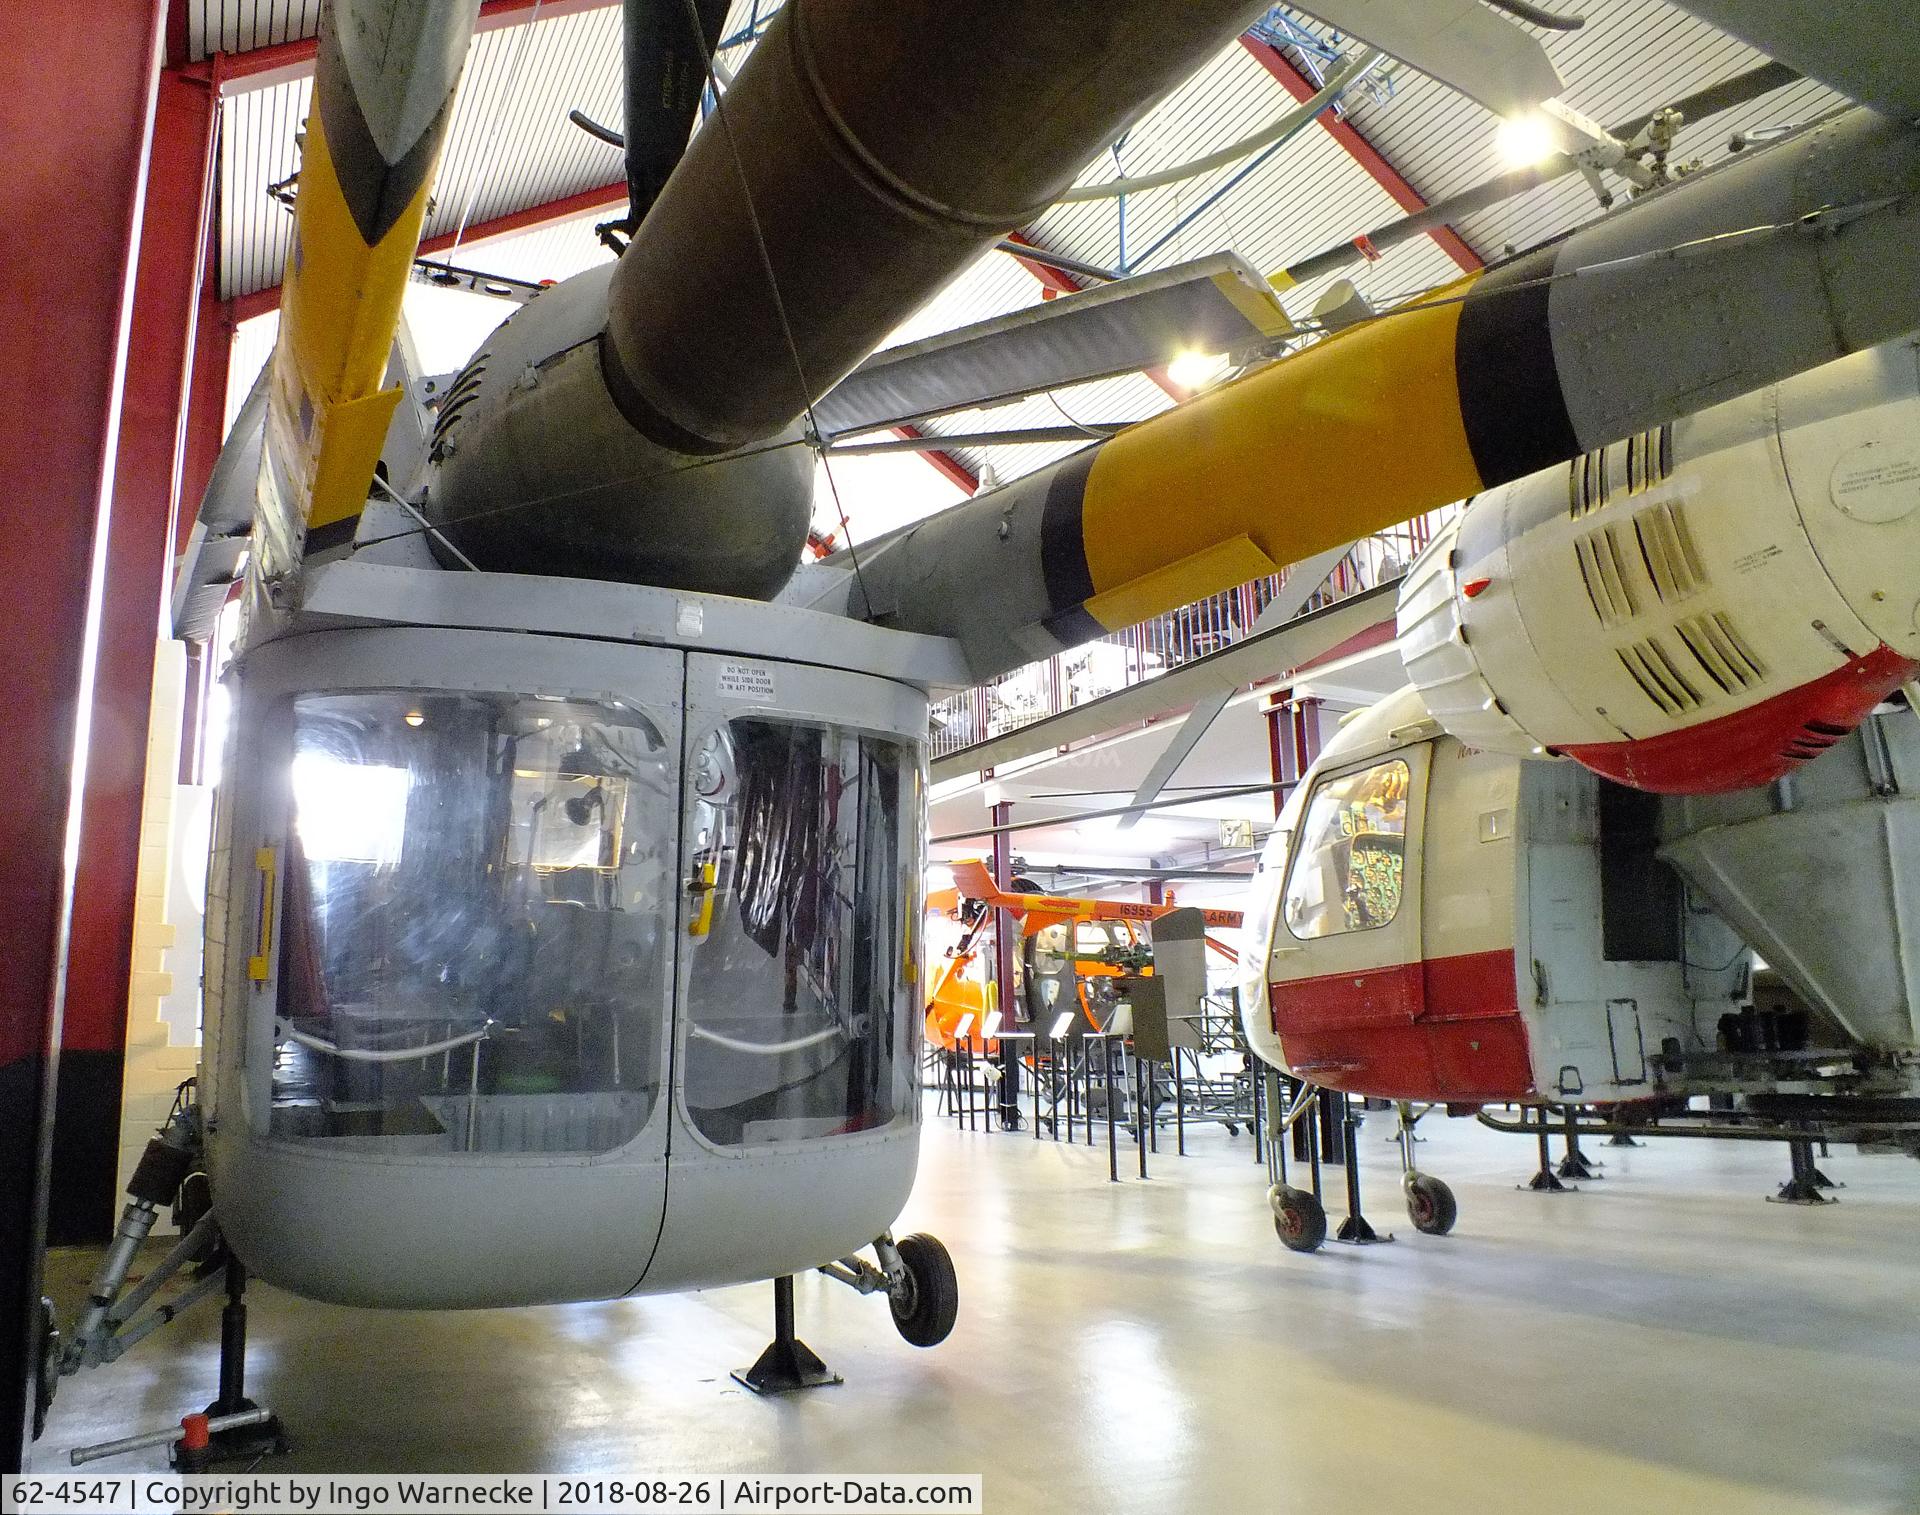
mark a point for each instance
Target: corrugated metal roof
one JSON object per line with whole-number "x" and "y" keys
{"x": 509, "y": 145}
{"x": 1632, "y": 57}
{"x": 239, "y": 26}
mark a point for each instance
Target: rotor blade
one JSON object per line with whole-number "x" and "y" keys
{"x": 1738, "y": 90}
{"x": 1485, "y": 57}
{"x": 1869, "y": 49}
{"x": 1021, "y": 436}
{"x": 666, "y": 67}
{"x": 1301, "y": 582}
{"x": 1216, "y": 304}
{"x": 223, "y": 526}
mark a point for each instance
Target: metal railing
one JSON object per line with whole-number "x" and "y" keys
{"x": 1156, "y": 646}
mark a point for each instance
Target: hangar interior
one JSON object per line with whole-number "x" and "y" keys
{"x": 1060, "y": 663}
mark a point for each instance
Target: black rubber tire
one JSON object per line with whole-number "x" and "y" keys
{"x": 1301, "y": 1224}
{"x": 1431, "y": 1205}
{"x": 926, "y": 1315}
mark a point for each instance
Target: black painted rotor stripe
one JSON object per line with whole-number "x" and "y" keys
{"x": 1510, "y": 398}
{"x": 334, "y": 534}
{"x": 1074, "y": 627}
{"x": 1063, "y": 543}
{"x": 377, "y": 192}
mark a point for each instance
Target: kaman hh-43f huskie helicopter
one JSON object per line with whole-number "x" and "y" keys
{"x": 563, "y": 911}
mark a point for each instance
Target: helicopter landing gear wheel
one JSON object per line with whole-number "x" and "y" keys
{"x": 925, "y": 1300}
{"x": 1430, "y": 1205}
{"x": 1298, "y": 1219}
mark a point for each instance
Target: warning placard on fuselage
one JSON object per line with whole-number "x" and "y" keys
{"x": 746, "y": 681}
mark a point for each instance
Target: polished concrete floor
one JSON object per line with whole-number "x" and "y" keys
{"x": 1660, "y": 1341}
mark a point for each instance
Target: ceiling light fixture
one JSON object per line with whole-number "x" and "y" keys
{"x": 1196, "y": 370}
{"x": 1525, "y": 140}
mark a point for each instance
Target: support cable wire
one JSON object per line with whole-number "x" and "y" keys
{"x": 773, "y": 287}
{"x": 691, "y": 465}
{"x": 1820, "y": 221}
{"x": 1279, "y": 130}
{"x": 491, "y": 150}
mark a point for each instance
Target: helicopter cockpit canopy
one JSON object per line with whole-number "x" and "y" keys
{"x": 477, "y": 895}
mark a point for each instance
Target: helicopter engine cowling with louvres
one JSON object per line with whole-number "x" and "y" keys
{"x": 1695, "y": 609}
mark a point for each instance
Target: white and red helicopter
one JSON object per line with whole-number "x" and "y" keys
{"x": 1644, "y": 825}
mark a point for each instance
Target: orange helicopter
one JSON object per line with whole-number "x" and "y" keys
{"x": 1062, "y": 938}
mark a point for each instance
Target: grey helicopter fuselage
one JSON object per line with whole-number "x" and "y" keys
{"x": 551, "y": 963}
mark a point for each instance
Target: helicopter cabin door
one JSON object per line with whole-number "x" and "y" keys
{"x": 798, "y": 1014}
{"x": 442, "y": 1079}
{"x": 1347, "y": 985}
{"x": 1471, "y": 1023}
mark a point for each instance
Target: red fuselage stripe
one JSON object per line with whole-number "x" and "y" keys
{"x": 1447, "y": 1029}
{"x": 1757, "y": 745}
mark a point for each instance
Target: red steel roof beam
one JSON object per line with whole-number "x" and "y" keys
{"x": 1362, "y": 151}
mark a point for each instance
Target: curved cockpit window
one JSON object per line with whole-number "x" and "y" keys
{"x": 476, "y": 932}
{"x": 1347, "y": 870}
{"x": 800, "y": 933}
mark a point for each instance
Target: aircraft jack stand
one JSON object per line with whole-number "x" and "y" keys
{"x": 233, "y": 1428}
{"x": 788, "y": 1365}
{"x": 1806, "y": 1181}
{"x": 1623, "y": 1139}
{"x": 230, "y": 1429}
{"x": 1546, "y": 1181}
{"x": 1576, "y": 1164}
{"x": 1355, "y": 1230}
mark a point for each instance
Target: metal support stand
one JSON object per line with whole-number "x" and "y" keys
{"x": 1275, "y": 1097}
{"x": 1546, "y": 1181}
{"x": 1311, "y": 1120}
{"x": 242, "y": 1438}
{"x": 1256, "y": 1100}
{"x": 1113, "y": 1102}
{"x": 1007, "y": 1066}
{"x": 1623, "y": 1139}
{"x": 1036, "y": 1087}
{"x": 788, "y": 1365}
{"x": 1140, "y": 1112}
{"x": 1804, "y": 1185}
{"x": 1179, "y": 1108}
{"x": 1355, "y": 1229}
{"x": 1332, "y": 1112}
{"x": 1576, "y": 1164}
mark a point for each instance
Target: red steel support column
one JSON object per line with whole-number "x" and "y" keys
{"x": 86, "y": 1139}
{"x": 1278, "y": 750}
{"x": 1306, "y": 734}
{"x": 76, "y": 100}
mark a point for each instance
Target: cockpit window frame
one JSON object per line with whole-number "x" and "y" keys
{"x": 1305, "y": 837}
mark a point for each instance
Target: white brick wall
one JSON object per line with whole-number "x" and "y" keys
{"x": 163, "y": 1041}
